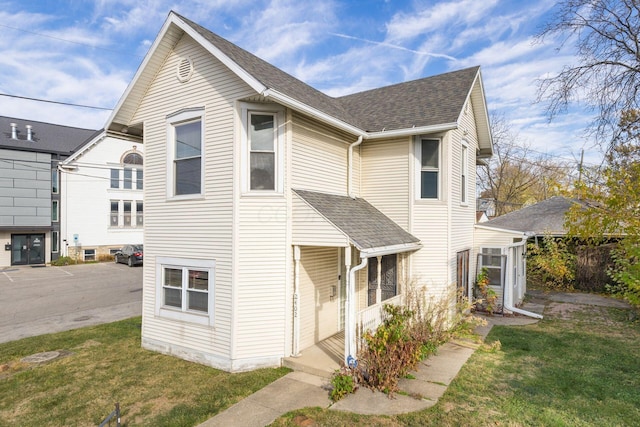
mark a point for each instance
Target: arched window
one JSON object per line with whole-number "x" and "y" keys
{"x": 132, "y": 159}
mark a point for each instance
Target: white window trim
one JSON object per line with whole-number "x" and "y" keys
{"x": 464, "y": 173}
{"x": 172, "y": 120}
{"x": 245, "y": 179}
{"x": 174, "y": 313}
{"x": 418, "y": 169}
{"x": 57, "y": 205}
{"x": 502, "y": 253}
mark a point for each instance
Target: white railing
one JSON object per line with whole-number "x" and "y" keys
{"x": 371, "y": 317}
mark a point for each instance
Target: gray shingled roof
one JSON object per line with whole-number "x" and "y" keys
{"x": 543, "y": 217}
{"x": 425, "y": 102}
{"x": 47, "y": 137}
{"x": 366, "y": 226}
{"x": 418, "y": 103}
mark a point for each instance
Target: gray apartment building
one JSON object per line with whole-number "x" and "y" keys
{"x": 30, "y": 195}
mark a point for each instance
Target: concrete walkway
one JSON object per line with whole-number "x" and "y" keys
{"x": 298, "y": 390}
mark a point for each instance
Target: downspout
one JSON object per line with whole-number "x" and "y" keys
{"x": 350, "y": 327}
{"x": 350, "y": 171}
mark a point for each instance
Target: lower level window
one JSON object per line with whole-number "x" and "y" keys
{"x": 89, "y": 255}
{"x": 185, "y": 290}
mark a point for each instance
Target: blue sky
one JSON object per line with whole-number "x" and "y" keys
{"x": 86, "y": 52}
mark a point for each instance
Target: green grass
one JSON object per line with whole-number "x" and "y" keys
{"x": 107, "y": 365}
{"x": 583, "y": 370}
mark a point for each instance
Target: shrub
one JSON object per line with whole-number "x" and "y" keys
{"x": 626, "y": 271}
{"x": 342, "y": 383}
{"x": 487, "y": 297}
{"x": 63, "y": 260}
{"x": 551, "y": 265}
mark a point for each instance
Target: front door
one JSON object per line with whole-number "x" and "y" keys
{"x": 27, "y": 249}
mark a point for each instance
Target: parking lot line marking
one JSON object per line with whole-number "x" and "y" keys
{"x": 58, "y": 268}
{"x": 8, "y": 277}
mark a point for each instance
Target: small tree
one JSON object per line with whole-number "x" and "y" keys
{"x": 550, "y": 264}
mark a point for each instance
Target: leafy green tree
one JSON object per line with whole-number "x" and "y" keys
{"x": 614, "y": 209}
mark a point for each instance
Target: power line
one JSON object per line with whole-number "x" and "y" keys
{"x": 55, "y": 102}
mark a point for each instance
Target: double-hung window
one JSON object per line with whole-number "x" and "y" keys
{"x": 185, "y": 134}
{"x": 262, "y": 153}
{"x": 493, "y": 260}
{"x": 428, "y": 152}
{"x": 464, "y": 166}
{"x": 185, "y": 289}
{"x": 115, "y": 178}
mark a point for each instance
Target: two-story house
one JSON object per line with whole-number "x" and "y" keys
{"x": 277, "y": 216}
{"x": 103, "y": 209}
{"x": 30, "y": 193}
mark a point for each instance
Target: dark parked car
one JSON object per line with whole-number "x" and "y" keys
{"x": 130, "y": 255}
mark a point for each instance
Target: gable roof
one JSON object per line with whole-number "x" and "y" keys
{"x": 46, "y": 137}
{"x": 543, "y": 217}
{"x": 427, "y": 105}
{"x": 368, "y": 229}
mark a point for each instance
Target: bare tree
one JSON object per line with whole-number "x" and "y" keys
{"x": 606, "y": 34}
{"x": 516, "y": 175}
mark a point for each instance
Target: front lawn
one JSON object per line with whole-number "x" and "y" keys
{"x": 102, "y": 365}
{"x": 578, "y": 367}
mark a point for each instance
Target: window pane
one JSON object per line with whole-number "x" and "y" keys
{"x": 430, "y": 153}
{"x": 54, "y": 241}
{"x": 262, "y": 132}
{"x": 115, "y": 178}
{"x": 429, "y": 185}
{"x": 198, "y": 301}
{"x": 139, "y": 179}
{"x": 128, "y": 181}
{"x": 54, "y": 210}
{"x": 127, "y": 213}
{"x": 199, "y": 280}
{"x": 139, "y": 214}
{"x": 54, "y": 181}
{"x": 263, "y": 171}
{"x": 114, "y": 213}
{"x": 494, "y": 276}
{"x": 173, "y": 297}
{"x": 173, "y": 277}
{"x": 188, "y": 176}
{"x": 188, "y": 140}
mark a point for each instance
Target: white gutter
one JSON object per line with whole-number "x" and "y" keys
{"x": 350, "y": 348}
{"x": 412, "y": 131}
{"x": 350, "y": 171}
{"x": 392, "y": 249}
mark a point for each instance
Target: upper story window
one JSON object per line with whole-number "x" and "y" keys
{"x": 185, "y": 160}
{"x": 262, "y": 149}
{"x": 428, "y": 155}
{"x": 130, "y": 172}
{"x": 55, "y": 180}
{"x": 464, "y": 172}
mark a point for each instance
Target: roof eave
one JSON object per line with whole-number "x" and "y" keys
{"x": 85, "y": 147}
{"x": 443, "y": 127}
{"x": 388, "y": 250}
{"x": 287, "y": 101}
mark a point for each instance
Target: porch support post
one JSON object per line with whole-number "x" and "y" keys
{"x": 296, "y": 301}
{"x": 379, "y": 282}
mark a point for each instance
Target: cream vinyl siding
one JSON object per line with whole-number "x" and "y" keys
{"x": 430, "y": 222}
{"x": 261, "y": 277}
{"x": 319, "y": 157}
{"x": 463, "y": 216}
{"x": 319, "y": 313}
{"x": 199, "y": 228}
{"x": 385, "y": 177}
{"x": 311, "y": 228}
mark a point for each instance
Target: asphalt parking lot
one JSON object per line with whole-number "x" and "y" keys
{"x": 40, "y": 300}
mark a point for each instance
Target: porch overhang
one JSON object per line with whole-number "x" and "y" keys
{"x": 321, "y": 219}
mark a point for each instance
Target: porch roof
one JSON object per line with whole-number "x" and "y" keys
{"x": 369, "y": 230}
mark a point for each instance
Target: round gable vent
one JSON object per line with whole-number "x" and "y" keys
{"x": 185, "y": 70}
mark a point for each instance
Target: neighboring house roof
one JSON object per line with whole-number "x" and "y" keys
{"x": 545, "y": 217}
{"x": 368, "y": 229}
{"x": 411, "y": 108}
{"x": 46, "y": 137}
